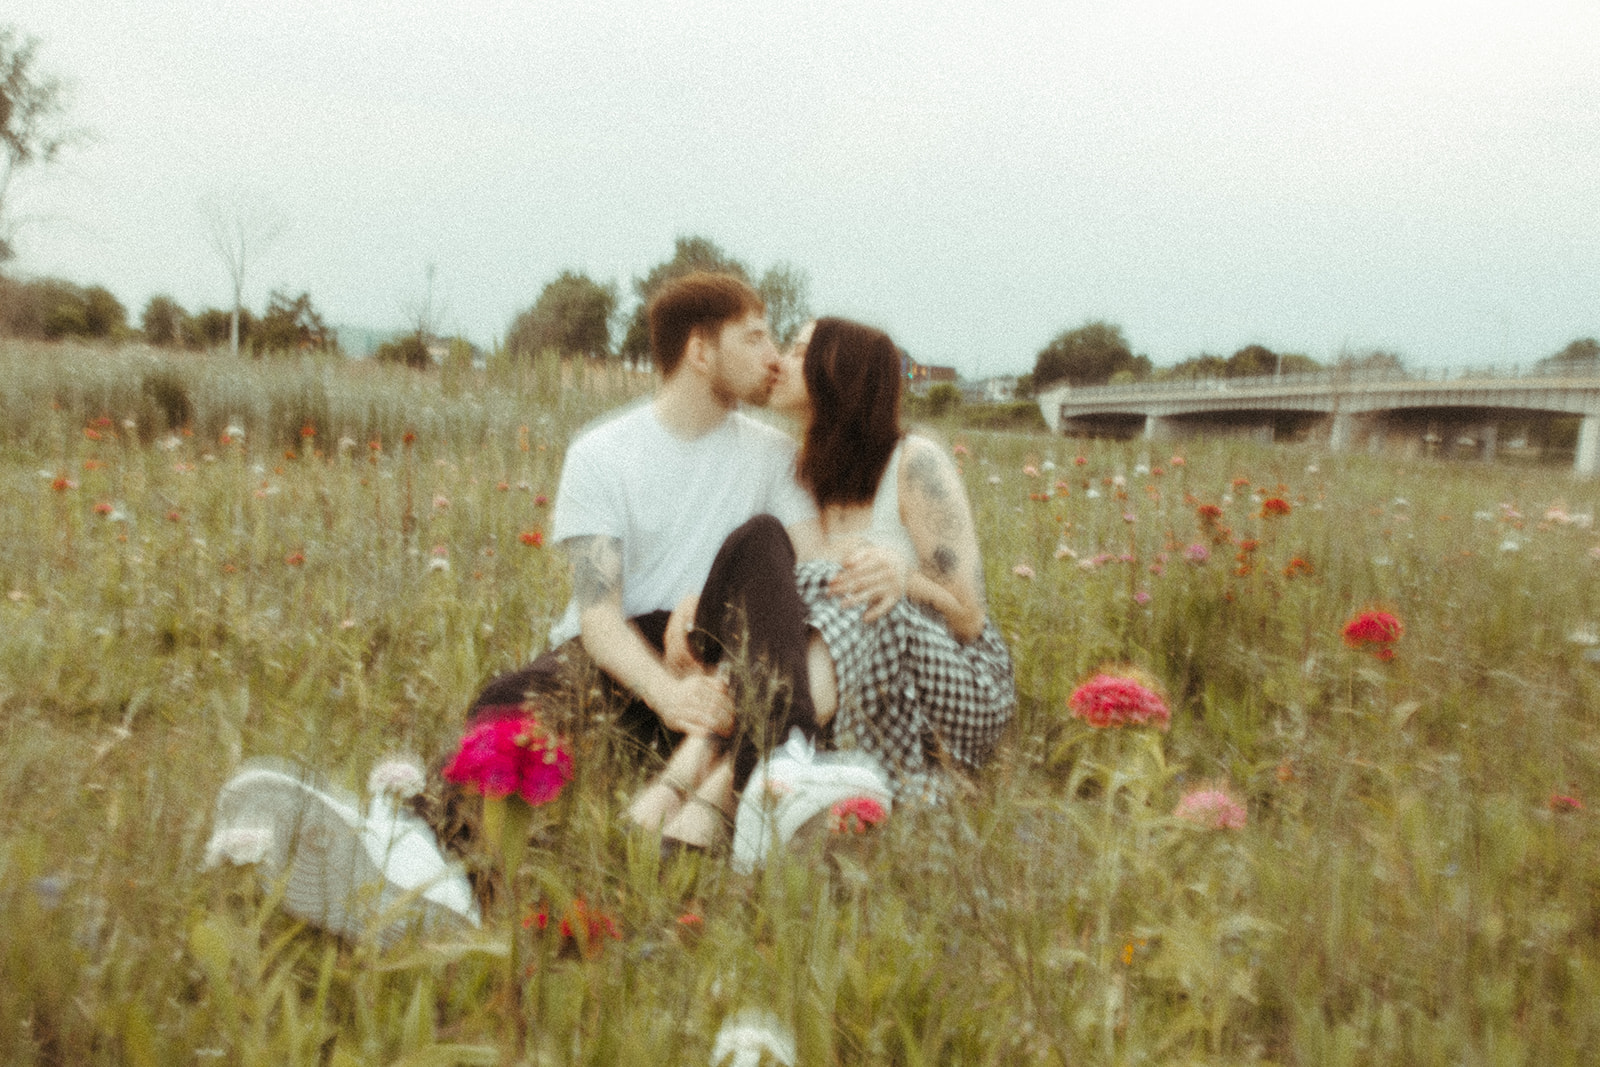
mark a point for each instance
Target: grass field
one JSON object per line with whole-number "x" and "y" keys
{"x": 202, "y": 562}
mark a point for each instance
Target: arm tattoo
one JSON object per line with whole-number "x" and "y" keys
{"x": 596, "y": 569}
{"x": 924, "y": 473}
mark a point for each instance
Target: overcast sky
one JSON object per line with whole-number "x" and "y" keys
{"x": 973, "y": 177}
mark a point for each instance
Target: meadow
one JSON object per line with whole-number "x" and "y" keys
{"x": 203, "y": 561}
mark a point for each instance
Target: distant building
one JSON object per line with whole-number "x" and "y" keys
{"x": 920, "y": 376}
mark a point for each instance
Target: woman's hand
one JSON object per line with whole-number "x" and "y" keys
{"x": 677, "y": 657}
{"x": 872, "y": 575}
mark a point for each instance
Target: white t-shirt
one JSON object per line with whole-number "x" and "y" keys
{"x": 671, "y": 502}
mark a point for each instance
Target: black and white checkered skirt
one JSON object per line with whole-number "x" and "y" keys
{"x": 909, "y": 692}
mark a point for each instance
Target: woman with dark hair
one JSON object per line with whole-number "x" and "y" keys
{"x": 919, "y": 674}
{"x": 903, "y": 661}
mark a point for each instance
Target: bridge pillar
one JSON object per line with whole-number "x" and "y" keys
{"x": 1587, "y": 461}
{"x": 1489, "y": 436}
{"x": 1156, "y": 427}
{"x": 1343, "y": 429}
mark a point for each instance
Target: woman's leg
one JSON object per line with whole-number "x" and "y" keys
{"x": 704, "y": 817}
{"x": 659, "y": 802}
{"x": 750, "y": 601}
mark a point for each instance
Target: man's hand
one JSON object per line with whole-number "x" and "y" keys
{"x": 872, "y": 575}
{"x": 698, "y": 704}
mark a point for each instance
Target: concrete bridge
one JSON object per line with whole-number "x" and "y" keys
{"x": 1347, "y": 408}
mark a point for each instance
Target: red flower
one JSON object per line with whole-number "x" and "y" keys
{"x": 587, "y": 926}
{"x": 1081, "y": 460}
{"x": 308, "y": 431}
{"x": 855, "y": 815}
{"x": 532, "y": 538}
{"x": 1562, "y": 802}
{"x": 1109, "y": 701}
{"x": 1275, "y": 506}
{"x": 1297, "y": 567}
{"x": 409, "y": 439}
{"x": 295, "y": 559}
{"x": 540, "y": 501}
{"x": 1208, "y": 514}
{"x": 103, "y": 508}
{"x": 512, "y": 755}
{"x": 62, "y": 484}
{"x": 1374, "y": 631}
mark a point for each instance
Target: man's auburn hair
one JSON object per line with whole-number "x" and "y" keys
{"x": 701, "y": 301}
{"x": 852, "y": 377}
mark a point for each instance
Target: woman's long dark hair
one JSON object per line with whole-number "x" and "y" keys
{"x": 852, "y": 377}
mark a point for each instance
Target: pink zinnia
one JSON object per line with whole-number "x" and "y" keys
{"x": 1563, "y": 802}
{"x": 1214, "y": 809}
{"x": 1110, "y": 700}
{"x": 512, "y": 755}
{"x": 1377, "y": 628}
{"x": 855, "y": 815}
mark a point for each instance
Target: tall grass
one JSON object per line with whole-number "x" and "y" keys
{"x": 176, "y": 595}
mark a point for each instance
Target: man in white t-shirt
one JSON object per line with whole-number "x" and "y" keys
{"x": 653, "y": 502}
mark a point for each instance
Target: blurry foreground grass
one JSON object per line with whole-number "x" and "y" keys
{"x": 201, "y": 563}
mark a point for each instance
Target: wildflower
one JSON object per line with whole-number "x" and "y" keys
{"x": 103, "y": 508}
{"x": 409, "y": 438}
{"x": 1081, "y": 460}
{"x": 1111, "y": 701}
{"x": 1030, "y": 471}
{"x": 1039, "y": 497}
{"x": 440, "y": 502}
{"x": 1561, "y": 802}
{"x": 588, "y": 926}
{"x": 961, "y": 450}
{"x": 512, "y": 755}
{"x": 1141, "y": 468}
{"x": 239, "y": 845}
{"x": 399, "y": 778}
{"x": 748, "y": 1035}
{"x": 62, "y": 484}
{"x": 540, "y": 501}
{"x": 1511, "y": 544}
{"x": 1022, "y": 570}
{"x": 295, "y": 559}
{"x": 994, "y": 479}
{"x": 1240, "y": 483}
{"x": 1047, "y": 466}
{"x": 1177, "y": 461}
{"x": 1211, "y": 808}
{"x": 1142, "y": 597}
{"x": 1379, "y": 629}
{"x": 1208, "y": 514}
{"x": 91, "y": 433}
{"x": 308, "y": 431}
{"x": 1197, "y": 553}
{"x": 1129, "y": 517}
{"x": 856, "y": 815}
{"x": 1247, "y": 546}
{"x": 1274, "y": 507}
{"x": 1119, "y": 482}
{"x": 346, "y": 444}
{"x": 1092, "y": 494}
{"x": 502, "y": 487}
{"x": 1065, "y": 552}
{"x": 691, "y": 919}
{"x": 1297, "y": 567}
{"x": 532, "y": 538}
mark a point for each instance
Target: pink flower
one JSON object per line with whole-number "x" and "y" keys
{"x": 1031, "y": 471}
{"x": 1108, "y": 701}
{"x": 512, "y": 755}
{"x": 1562, "y": 802}
{"x": 1197, "y": 553}
{"x": 1212, "y": 808}
{"x": 856, "y": 815}
{"x": 1142, "y": 597}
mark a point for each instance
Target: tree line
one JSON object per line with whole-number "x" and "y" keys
{"x": 1096, "y": 353}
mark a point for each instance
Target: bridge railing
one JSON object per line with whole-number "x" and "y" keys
{"x": 1342, "y": 378}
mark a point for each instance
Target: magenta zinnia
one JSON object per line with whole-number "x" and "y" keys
{"x": 1113, "y": 700}
{"x": 1374, "y": 631}
{"x": 513, "y": 755}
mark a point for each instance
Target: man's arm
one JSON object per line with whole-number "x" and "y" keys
{"x": 696, "y": 703}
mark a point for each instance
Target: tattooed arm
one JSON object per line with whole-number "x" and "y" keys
{"x": 933, "y": 505}
{"x": 696, "y": 703}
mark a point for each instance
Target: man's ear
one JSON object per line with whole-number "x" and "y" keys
{"x": 697, "y": 351}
